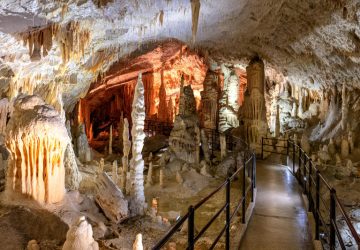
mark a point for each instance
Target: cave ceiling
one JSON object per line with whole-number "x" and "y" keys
{"x": 315, "y": 43}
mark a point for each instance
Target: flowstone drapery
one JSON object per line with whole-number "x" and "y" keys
{"x": 36, "y": 166}
{"x": 137, "y": 202}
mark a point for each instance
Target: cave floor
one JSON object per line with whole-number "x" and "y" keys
{"x": 279, "y": 220}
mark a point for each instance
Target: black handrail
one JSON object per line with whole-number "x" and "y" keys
{"x": 190, "y": 216}
{"x": 304, "y": 173}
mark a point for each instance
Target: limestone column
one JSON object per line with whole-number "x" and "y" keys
{"x": 137, "y": 204}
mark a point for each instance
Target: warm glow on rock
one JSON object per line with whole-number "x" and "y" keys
{"x": 37, "y": 140}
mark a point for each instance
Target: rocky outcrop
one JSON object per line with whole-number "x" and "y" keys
{"x": 111, "y": 200}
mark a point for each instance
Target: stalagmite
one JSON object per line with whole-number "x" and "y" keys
{"x": 121, "y": 127}
{"x": 344, "y": 148}
{"x": 331, "y": 147}
{"x": 72, "y": 173}
{"x": 344, "y": 108}
{"x": 115, "y": 172}
{"x": 111, "y": 200}
{"x": 137, "y": 203}
{"x": 36, "y": 166}
{"x": 198, "y": 141}
{"x": 126, "y": 151}
{"x": 82, "y": 143}
{"x": 161, "y": 178}
{"x": 228, "y": 104}
{"x": 277, "y": 122}
{"x": 351, "y": 141}
{"x": 179, "y": 178}
{"x": 223, "y": 146}
{"x": 149, "y": 180}
{"x": 253, "y": 112}
{"x": 195, "y": 11}
{"x": 80, "y": 237}
{"x": 294, "y": 110}
{"x": 209, "y": 101}
{"x": 110, "y": 139}
{"x": 205, "y": 146}
{"x": 88, "y": 154}
{"x": 138, "y": 243}
{"x": 101, "y": 165}
{"x": 123, "y": 180}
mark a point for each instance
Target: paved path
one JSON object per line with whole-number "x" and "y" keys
{"x": 279, "y": 220}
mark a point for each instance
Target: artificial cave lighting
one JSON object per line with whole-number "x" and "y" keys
{"x": 118, "y": 119}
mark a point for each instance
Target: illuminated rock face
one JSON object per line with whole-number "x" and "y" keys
{"x": 37, "y": 139}
{"x": 137, "y": 203}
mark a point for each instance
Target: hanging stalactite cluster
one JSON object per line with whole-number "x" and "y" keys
{"x": 72, "y": 40}
{"x": 39, "y": 41}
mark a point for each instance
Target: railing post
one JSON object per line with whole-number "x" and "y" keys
{"x": 227, "y": 241}
{"x": 309, "y": 186}
{"x": 254, "y": 162}
{"x": 317, "y": 210}
{"x": 299, "y": 167}
{"x": 332, "y": 218}
{"x": 191, "y": 228}
{"x": 294, "y": 148}
{"x": 243, "y": 193}
{"x": 262, "y": 148}
{"x": 305, "y": 174}
{"x": 252, "y": 178}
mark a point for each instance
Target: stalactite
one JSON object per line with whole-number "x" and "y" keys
{"x": 161, "y": 17}
{"x": 195, "y": 11}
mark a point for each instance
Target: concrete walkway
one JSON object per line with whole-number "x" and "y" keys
{"x": 279, "y": 220}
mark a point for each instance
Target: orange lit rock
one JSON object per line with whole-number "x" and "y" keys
{"x": 37, "y": 139}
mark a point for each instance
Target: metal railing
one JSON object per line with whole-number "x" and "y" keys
{"x": 316, "y": 187}
{"x": 246, "y": 170}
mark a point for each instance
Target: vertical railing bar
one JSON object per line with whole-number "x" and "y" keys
{"x": 191, "y": 228}
{"x": 262, "y": 148}
{"x": 227, "y": 241}
{"x": 332, "y": 218}
{"x": 317, "y": 201}
{"x": 243, "y": 192}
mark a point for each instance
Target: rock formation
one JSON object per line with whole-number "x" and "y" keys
{"x": 126, "y": 151}
{"x": 138, "y": 243}
{"x": 111, "y": 140}
{"x": 252, "y": 112}
{"x": 72, "y": 174}
{"x": 111, "y": 200}
{"x": 182, "y": 140}
{"x": 80, "y": 237}
{"x": 149, "y": 180}
{"x": 82, "y": 143}
{"x": 137, "y": 203}
{"x": 228, "y": 110}
{"x": 36, "y": 166}
{"x": 209, "y": 101}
